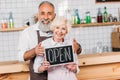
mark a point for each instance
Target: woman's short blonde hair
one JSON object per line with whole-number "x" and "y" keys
{"x": 60, "y": 21}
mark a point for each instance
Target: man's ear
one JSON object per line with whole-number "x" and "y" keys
{"x": 54, "y": 16}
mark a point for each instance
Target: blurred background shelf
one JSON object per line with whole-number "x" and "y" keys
{"x": 95, "y": 24}
{"x": 73, "y": 26}
{"x": 13, "y": 29}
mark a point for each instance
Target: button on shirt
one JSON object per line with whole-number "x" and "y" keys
{"x": 28, "y": 39}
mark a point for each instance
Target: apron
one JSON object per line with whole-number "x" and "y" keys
{"x": 37, "y": 76}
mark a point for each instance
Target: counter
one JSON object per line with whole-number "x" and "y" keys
{"x": 14, "y": 70}
{"x": 104, "y": 66}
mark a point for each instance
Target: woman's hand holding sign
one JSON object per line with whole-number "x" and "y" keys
{"x": 45, "y": 66}
{"x": 71, "y": 66}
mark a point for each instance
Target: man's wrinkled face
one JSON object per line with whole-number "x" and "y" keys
{"x": 46, "y": 13}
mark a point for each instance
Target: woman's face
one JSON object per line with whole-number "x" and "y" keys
{"x": 59, "y": 33}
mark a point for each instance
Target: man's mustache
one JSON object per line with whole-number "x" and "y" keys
{"x": 46, "y": 20}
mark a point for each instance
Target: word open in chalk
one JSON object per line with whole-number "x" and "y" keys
{"x": 59, "y": 55}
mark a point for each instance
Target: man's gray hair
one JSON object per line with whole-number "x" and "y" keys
{"x": 46, "y": 2}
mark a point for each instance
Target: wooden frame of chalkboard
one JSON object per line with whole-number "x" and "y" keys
{"x": 59, "y": 55}
{"x": 104, "y": 1}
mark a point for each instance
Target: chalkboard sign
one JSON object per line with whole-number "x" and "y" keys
{"x": 107, "y": 0}
{"x": 59, "y": 55}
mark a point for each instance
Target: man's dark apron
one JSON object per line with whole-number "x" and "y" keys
{"x": 37, "y": 76}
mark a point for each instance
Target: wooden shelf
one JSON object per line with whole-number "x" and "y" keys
{"x": 13, "y": 29}
{"x": 73, "y": 26}
{"x": 95, "y": 24}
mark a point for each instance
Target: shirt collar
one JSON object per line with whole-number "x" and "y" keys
{"x": 56, "y": 43}
{"x": 37, "y": 26}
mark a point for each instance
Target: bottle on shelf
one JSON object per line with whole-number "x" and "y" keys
{"x": 115, "y": 19}
{"x": 11, "y": 21}
{"x": 4, "y": 23}
{"x": 99, "y": 16}
{"x": 105, "y": 15}
{"x": 110, "y": 18}
{"x": 68, "y": 15}
{"x": 88, "y": 17}
{"x": 77, "y": 15}
{"x": 74, "y": 17}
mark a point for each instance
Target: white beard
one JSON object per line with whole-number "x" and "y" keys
{"x": 44, "y": 27}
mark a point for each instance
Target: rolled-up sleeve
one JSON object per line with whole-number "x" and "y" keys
{"x": 22, "y": 45}
{"x": 76, "y": 61}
